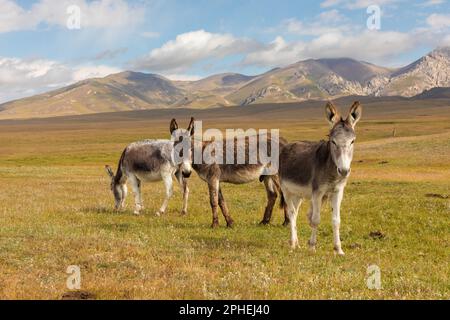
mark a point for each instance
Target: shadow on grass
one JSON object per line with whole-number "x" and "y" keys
{"x": 100, "y": 210}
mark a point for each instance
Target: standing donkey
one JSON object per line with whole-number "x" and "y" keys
{"x": 317, "y": 170}
{"x": 151, "y": 160}
{"x": 216, "y": 173}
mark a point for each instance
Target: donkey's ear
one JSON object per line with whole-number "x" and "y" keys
{"x": 190, "y": 128}
{"x": 109, "y": 171}
{"x": 331, "y": 113}
{"x": 354, "y": 115}
{"x": 173, "y": 125}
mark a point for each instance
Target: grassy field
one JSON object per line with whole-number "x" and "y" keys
{"x": 56, "y": 210}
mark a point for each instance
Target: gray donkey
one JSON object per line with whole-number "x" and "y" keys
{"x": 216, "y": 173}
{"x": 317, "y": 170}
{"x": 151, "y": 160}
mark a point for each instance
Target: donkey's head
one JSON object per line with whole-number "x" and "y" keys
{"x": 119, "y": 190}
{"x": 342, "y": 136}
{"x": 182, "y": 146}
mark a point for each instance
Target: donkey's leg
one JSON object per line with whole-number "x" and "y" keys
{"x": 136, "y": 187}
{"x": 124, "y": 195}
{"x": 224, "y": 208}
{"x": 184, "y": 185}
{"x": 336, "y": 200}
{"x": 286, "y": 217}
{"x": 293, "y": 203}
{"x": 316, "y": 203}
{"x": 213, "y": 187}
{"x": 167, "y": 179}
{"x": 271, "y": 199}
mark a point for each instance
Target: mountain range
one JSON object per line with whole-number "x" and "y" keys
{"x": 304, "y": 80}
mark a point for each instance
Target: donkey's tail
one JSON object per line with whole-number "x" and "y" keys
{"x": 276, "y": 181}
{"x": 119, "y": 174}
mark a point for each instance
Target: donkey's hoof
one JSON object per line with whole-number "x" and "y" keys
{"x": 264, "y": 223}
{"x": 339, "y": 252}
{"x": 230, "y": 224}
{"x": 293, "y": 244}
{"x": 215, "y": 224}
{"x": 311, "y": 246}
{"x": 137, "y": 213}
{"x": 159, "y": 213}
{"x": 183, "y": 212}
{"x": 286, "y": 223}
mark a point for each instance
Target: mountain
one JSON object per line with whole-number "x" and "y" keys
{"x": 310, "y": 79}
{"x": 117, "y": 92}
{"x": 430, "y": 71}
{"x": 212, "y": 90}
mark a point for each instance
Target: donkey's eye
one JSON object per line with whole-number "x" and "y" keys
{"x": 353, "y": 142}
{"x": 334, "y": 142}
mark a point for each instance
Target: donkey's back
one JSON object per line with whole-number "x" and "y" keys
{"x": 148, "y": 160}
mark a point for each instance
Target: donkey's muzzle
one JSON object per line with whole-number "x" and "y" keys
{"x": 186, "y": 174}
{"x": 343, "y": 172}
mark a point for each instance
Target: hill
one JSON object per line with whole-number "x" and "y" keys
{"x": 305, "y": 80}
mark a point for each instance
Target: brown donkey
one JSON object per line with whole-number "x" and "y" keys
{"x": 215, "y": 173}
{"x": 317, "y": 170}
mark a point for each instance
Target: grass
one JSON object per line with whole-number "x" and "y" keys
{"x": 57, "y": 211}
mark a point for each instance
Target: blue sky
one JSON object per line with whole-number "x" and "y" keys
{"x": 193, "y": 39}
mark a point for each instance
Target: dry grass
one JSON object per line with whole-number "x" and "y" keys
{"x": 57, "y": 211}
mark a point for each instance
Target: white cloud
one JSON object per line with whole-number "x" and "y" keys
{"x": 95, "y": 14}
{"x": 277, "y": 53}
{"x": 438, "y": 21}
{"x": 189, "y": 48}
{"x": 367, "y": 45}
{"x": 325, "y": 22}
{"x": 87, "y": 72}
{"x": 19, "y": 78}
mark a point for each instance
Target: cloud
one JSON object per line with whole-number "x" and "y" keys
{"x": 325, "y": 22}
{"x": 86, "y": 72}
{"x": 178, "y": 55}
{"x": 438, "y": 21}
{"x": 19, "y": 78}
{"x": 372, "y": 46}
{"x": 110, "y": 54}
{"x": 94, "y": 14}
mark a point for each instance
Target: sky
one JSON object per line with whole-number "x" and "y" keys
{"x": 46, "y": 44}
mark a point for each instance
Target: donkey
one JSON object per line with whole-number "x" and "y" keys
{"x": 317, "y": 170}
{"x": 216, "y": 173}
{"x": 151, "y": 160}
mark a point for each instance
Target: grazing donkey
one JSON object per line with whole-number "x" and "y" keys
{"x": 151, "y": 160}
{"x": 316, "y": 170}
{"x": 215, "y": 173}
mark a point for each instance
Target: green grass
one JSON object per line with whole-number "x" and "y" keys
{"x": 57, "y": 211}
